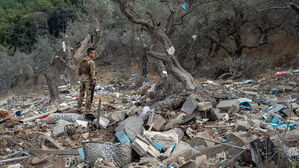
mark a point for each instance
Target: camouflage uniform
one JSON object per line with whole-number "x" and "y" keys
{"x": 86, "y": 84}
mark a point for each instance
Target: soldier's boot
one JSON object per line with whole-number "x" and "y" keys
{"x": 79, "y": 104}
{"x": 88, "y": 106}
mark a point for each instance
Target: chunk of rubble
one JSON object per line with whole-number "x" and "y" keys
{"x": 190, "y": 105}
{"x": 242, "y": 126}
{"x": 164, "y": 138}
{"x": 118, "y": 154}
{"x": 226, "y": 104}
{"x": 204, "y": 106}
{"x": 118, "y": 116}
{"x": 156, "y": 121}
{"x": 131, "y": 126}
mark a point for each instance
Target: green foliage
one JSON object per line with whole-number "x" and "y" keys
{"x": 17, "y": 16}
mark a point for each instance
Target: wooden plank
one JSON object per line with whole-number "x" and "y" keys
{"x": 50, "y": 139}
{"x": 36, "y": 117}
{"x": 54, "y": 151}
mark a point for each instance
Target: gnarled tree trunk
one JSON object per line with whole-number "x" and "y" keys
{"x": 172, "y": 65}
{"x": 161, "y": 43}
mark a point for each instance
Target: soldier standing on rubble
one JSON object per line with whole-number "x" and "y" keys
{"x": 87, "y": 78}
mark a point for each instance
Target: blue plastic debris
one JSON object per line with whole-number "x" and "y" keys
{"x": 133, "y": 75}
{"x": 290, "y": 126}
{"x": 223, "y": 140}
{"x": 249, "y": 81}
{"x": 81, "y": 153}
{"x": 122, "y": 137}
{"x": 158, "y": 146}
{"x": 276, "y": 108}
{"x": 277, "y": 121}
{"x": 185, "y": 6}
{"x": 173, "y": 146}
{"x": 243, "y": 107}
{"x": 264, "y": 117}
{"x": 275, "y": 90}
{"x": 244, "y": 100}
{"x": 295, "y": 71}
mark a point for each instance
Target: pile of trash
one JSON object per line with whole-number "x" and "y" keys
{"x": 227, "y": 124}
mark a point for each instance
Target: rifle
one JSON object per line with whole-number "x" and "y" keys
{"x": 92, "y": 93}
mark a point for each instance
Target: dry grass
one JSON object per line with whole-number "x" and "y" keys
{"x": 279, "y": 55}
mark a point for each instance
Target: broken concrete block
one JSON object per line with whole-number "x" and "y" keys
{"x": 131, "y": 126}
{"x": 214, "y": 115}
{"x": 242, "y": 126}
{"x": 84, "y": 124}
{"x": 140, "y": 147}
{"x": 58, "y": 130}
{"x": 196, "y": 141}
{"x": 186, "y": 153}
{"x": 164, "y": 138}
{"x": 226, "y": 104}
{"x": 180, "y": 147}
{"x": 294, "y": 152}
{"x": 292, "y": 136}
{"x": 205, "y": 134}
{"x": 233, "y": 109}
{"x": 190, "y": 105}
{"x": 204, "y": 106}
{"x": 157, "y": 121}
{"x": 153, "y": 152}
{"x": 118, "y": 116}
{"x": 295, "y": 106}
{"x": 132, "y": 111}
{"x": 179, "y": 119}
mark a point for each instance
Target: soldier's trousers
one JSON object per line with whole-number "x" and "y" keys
{"x": 85, "y": 87}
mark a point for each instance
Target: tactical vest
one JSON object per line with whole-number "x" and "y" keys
{"x": 84, "y": 67}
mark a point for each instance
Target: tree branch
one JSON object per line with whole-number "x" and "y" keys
{"x": 123, "y": 9}
{"x": 149, "y": 12}
{"x": 160, "y": 56}
{"x": 192, "y": 7}
{"x": 221, "y": 45}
